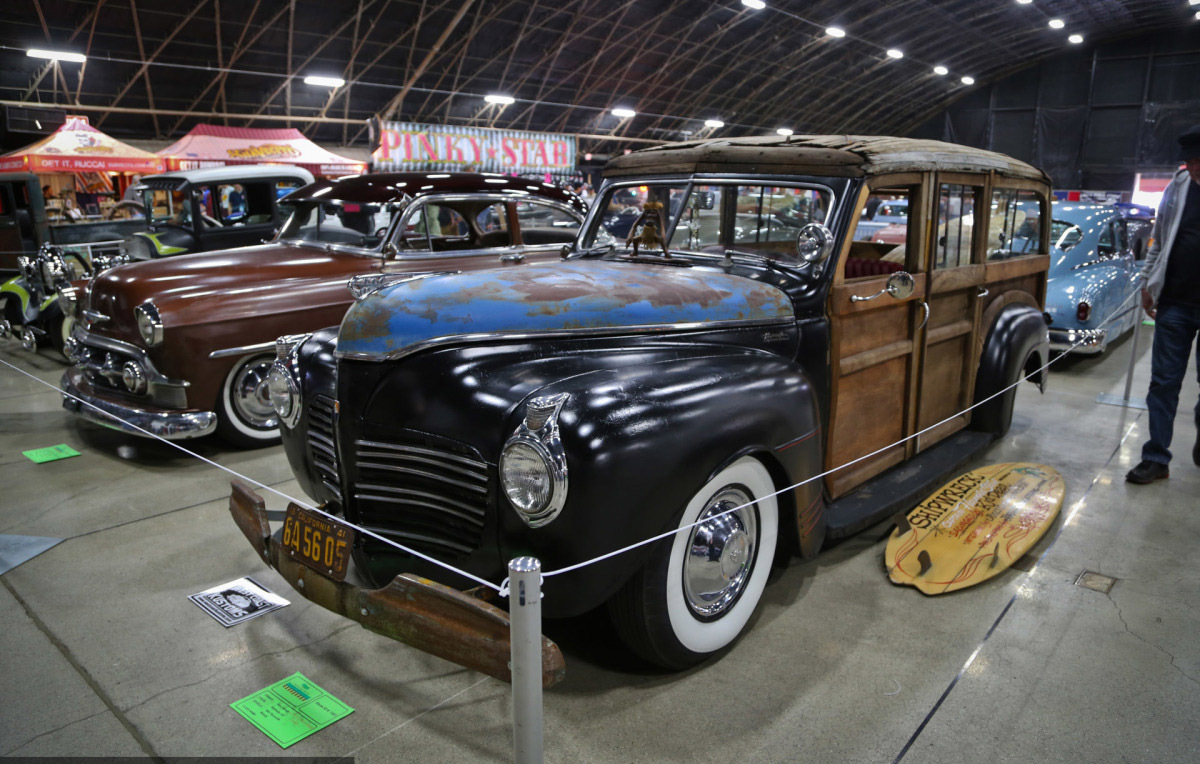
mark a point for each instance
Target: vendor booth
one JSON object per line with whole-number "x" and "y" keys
{"x": 83, "y": 169}
{"x": 216, "y": 146}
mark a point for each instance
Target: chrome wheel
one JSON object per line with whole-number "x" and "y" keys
{"x": 250, "y": 397}
{"x": 719, "y": 554}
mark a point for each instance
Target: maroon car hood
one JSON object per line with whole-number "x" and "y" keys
{"x": 228, "y": 284}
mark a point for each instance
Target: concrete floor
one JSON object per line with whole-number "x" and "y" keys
{"x": 101, "y": 653}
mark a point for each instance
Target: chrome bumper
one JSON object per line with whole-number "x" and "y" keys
{"x": 171, "y": 425}
{"x": 1091, "y": 341}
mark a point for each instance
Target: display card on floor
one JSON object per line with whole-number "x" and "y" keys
{"x": 291, "y": 709}
{"x": 51, "y": 453}
{"x": 237, "y": 601}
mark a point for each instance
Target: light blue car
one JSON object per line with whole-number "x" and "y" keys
{"x": 1098, "y": 251}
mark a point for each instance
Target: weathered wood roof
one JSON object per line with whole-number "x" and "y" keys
{"x": 838, "y": 155}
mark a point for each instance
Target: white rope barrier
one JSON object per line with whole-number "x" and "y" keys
{"x": 254, "y": 482}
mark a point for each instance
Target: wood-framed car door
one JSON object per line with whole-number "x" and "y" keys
{"x": 957, "y": 277}
{"x": 875, "y": 343}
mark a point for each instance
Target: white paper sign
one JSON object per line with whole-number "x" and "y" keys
{"x": 237, "y": 601}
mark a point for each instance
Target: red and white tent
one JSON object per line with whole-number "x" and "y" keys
{"x": 216, "y": 146}
{"x": 77, "y": 147}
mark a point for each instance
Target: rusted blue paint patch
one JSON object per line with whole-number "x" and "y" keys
{"x": 585, "y": 294}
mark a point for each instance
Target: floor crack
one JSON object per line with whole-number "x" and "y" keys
{"x": 51, "y": 732}
{"x": 1140, "y": 638}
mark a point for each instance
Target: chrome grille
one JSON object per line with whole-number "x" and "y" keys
{"x": 103, "y": 368}
{"x": 322, "y": 447}
{"x": 430, "y": 495}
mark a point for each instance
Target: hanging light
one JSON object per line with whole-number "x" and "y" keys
{"x": 500, "y": 99}
{"x": 968, "y": 80}
{"x": 326, "y": 82}
{"x": 56, "y": 55}
{"x": 757, "y": 5}
{"x": 835, "y": 31}
{"x": 1075, "y": 39}
{"x": 713, "y": 123}
{"x": 940, "y": 70}
{"x": 1057, "y": 23}
{"x": 784, "y": 131}
{"x": 624, "y": 113}
{"x": 893, "y": 53}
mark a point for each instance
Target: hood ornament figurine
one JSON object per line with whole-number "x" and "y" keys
{"x": 652, "y": 222}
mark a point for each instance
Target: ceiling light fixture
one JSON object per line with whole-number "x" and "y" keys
{"x": 713, "y": 123}
{"x": 1075, "y": 39}
{"x": 1057, "y": 23}
{"x": 328, "y": 82}
{"x": 893, "y": 53}
{"x": 500, "y": 99}
{"x": 835, "y": 31}
{"x": 757, "y": 5}
{"x": 940, "y": 70}
{"x": 1024, "y": 2}
{"x": 624, "y": 113}
{"x": 784, "y": 131}
{"x": 56, "y": 55}
{"x": 968, "y": 80}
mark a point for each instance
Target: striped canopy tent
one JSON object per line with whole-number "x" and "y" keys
{"x": 216, "y": 146}
{"x": 80, "y": 149}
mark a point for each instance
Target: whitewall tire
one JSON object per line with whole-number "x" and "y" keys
{"x": 244, "y": 414}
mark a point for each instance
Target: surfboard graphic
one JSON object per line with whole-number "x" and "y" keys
{"x": 974, "y": 527}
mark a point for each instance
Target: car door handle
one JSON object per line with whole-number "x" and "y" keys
{"x": 983, "y": 292}
{"x": 512, "y": 257}
{"x": 925, "y": 305}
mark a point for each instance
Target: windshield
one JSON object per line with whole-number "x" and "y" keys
{"x": 167, "y": 207}
{"x": 351, "y": 224}
{"x": 710, "y": 217}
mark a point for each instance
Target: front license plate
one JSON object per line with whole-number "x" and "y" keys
{"x": 320, "y": 543}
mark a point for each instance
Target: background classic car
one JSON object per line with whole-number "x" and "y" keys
{"x": 1097, "y": 256}
{"x": 209, "y": 209}
{"x": 568, "y": 411}
{"x": 181, "y": 346}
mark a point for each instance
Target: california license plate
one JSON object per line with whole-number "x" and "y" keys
{"x": 318, "y": 542}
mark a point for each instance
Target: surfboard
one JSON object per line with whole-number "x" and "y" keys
{"x": 974, "y": 527}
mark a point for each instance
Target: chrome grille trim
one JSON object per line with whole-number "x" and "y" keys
{"x": 428, "y": 491}
{"x": 322, "y": 448}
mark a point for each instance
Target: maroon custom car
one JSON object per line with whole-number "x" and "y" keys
{"x": 180, "y": 347}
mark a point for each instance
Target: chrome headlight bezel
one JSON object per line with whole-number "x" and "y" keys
{"x": 538, "y": 432}
{"x": 284, "y": 393}
{"x": 149, "y": 324}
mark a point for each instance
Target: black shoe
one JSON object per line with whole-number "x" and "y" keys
{"x": 1148, "y": 472}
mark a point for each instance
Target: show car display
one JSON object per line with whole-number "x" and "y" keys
{"x": 569, "y": 410}
{"x": 181, "y": 346}
{"x": 1094, "y": 271}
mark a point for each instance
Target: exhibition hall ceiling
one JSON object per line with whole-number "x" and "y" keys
{"x": 567, "y": 63}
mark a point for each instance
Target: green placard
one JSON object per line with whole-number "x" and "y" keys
{"x": 51, "y": 453}
{"x": 291, "y": 709}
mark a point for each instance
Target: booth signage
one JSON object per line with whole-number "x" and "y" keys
{"x": 406, "y": 146}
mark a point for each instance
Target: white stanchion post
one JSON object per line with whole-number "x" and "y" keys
{"x": 1126, "y": 401}
{"x": 525, "y": 637}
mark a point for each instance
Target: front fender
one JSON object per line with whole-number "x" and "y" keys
{"x": 640, "y": 440}
{"x": 1017, "y": 343}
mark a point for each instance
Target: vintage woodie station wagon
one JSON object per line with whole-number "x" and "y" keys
{"x": 570, "y": 409}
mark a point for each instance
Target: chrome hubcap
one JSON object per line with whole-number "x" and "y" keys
{"x": 720, "y": 553}
{"x": 251, "y": 398}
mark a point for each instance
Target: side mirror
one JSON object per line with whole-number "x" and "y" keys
{"x": 900, "y": 285}
{"x": 389, "y": 250}
{"x": 814, "y": 243}
{"x": 565, "y": 252}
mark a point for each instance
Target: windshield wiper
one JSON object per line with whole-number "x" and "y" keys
{"x": 760, "y": 258}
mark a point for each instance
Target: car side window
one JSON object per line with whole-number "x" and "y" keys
{"x": 545, "y": 224}
{"x": 240, "y": 204}
{"x": 1014, "y": 225}
{"x": 956, "y": 225}
{"x": 1106, "y": 246}
{"x": 881, "y": 243}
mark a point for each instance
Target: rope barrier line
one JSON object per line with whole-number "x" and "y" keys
{"x": 668, "y": 534}
{"x": 254, "y": 482}
{"x": 502, "y": 588}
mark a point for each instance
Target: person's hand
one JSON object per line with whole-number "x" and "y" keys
{"x": 1148, "y": 303}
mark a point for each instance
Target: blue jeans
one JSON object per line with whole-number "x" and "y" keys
{"x": 1175, "y": 327}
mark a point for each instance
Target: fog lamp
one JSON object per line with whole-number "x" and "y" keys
{"x": 134, "y": 377}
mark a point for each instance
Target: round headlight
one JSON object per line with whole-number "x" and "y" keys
{"x": 527, "y": 478}
{"x": 149, "y": 323}
{"x": 284, "y": 394}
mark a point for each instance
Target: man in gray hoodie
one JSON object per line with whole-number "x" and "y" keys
{"x": 1171, "y": 296}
